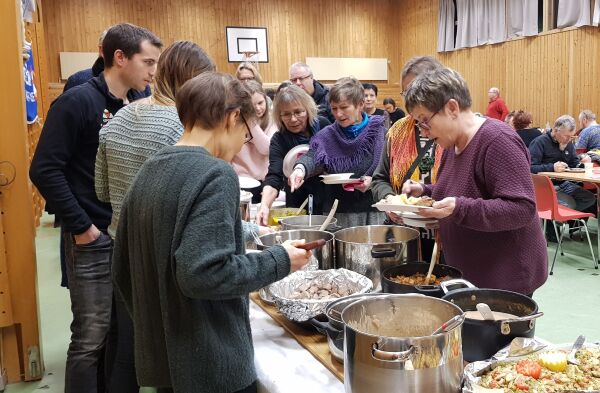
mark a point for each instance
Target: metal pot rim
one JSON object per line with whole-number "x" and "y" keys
{"x": 396, "y": 295}
{"x": 342, "y": 231}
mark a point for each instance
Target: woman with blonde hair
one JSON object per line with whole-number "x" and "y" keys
{"x": 247, "y": 72}
{"x": 295, "y": 114}
{"x": 253, "y": 159}
{"x": 136, "y": 133}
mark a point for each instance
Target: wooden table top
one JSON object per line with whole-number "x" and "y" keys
{"x": 573, "y": 176}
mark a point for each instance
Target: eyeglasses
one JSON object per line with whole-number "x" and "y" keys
{"x": 249, "y": 135}
{"x": 424, "y": 125}
{"x": 297, "y": 114}
{"x": 300, "y": 78}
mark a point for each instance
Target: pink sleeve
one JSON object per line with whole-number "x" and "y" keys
{"x": 262, "y": 139}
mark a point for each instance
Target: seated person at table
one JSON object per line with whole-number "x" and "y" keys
{"x": 521, "y": 122}
{"x": 554, "y": 152}
{"x": 589, "y": 138}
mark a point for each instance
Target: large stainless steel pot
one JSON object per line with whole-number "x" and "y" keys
{"x": 322, "y": 258}
{"x": 482, "y": 339}
{"x": 388, "y": 346}
{"x": 368, "y": 250}
{"x": 303, "y": 222}
{"x": 334, "y": 327}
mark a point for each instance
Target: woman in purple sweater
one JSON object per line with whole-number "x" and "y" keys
{"x": 489, "y": 226}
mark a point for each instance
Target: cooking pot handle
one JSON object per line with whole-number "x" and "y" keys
{"x": 383, "y": 252}
{"x": 325, "y": 328}
{"x": 385, "y": 356}
{"x": 456, "y": 281}
{"x": 505, "y": 325}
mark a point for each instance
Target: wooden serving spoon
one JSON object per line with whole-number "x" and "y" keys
{"x": 434, "y": 258}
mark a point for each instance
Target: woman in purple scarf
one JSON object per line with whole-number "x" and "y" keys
{"x": 353, "y": 143}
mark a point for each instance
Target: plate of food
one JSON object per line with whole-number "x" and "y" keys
{"x": 575, "y": 170}
{"x": 289, "y": 161}
{"x": 543, "y": 371}
{"x": 403, "y": 203}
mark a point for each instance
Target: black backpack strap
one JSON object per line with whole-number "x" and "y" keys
{"x": 417, "y": 160}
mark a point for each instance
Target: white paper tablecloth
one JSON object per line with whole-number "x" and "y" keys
{"x": 282, "y": 365}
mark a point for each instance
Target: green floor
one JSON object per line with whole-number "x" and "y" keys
{"x": 568, "y": 300}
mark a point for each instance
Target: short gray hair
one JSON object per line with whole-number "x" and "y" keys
{"x": 300, "y": 65}
{"x": 587, "y": 114}
{"x": 292, "y": 94}
{"x": 420, "y": 65}
{"x": 347, "y": 88}
{"x": 495, "y": 90}
{"x": 434, "y": 89}
{"x": 565, "y": 122}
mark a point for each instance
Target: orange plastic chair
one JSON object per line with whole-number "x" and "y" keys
{"x": 549, "y": 209}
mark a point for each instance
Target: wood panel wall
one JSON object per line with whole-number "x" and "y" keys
{"x": 19, "y": 326}
{"x": 549, "y": 75}
{"x": 296, "y": 29}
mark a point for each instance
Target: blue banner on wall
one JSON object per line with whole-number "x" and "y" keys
{"x": 31, "y": 105}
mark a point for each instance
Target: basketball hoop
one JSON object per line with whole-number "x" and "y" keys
{"x": 251, "y": 57}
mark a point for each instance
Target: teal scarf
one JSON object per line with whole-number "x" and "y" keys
{"x": 355, "y": 129}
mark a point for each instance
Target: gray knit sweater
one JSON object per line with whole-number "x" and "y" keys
{"x": 135, "y": 134}
{"x": 180, "y": 266}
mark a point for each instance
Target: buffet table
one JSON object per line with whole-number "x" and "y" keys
{"x": 282, "y": 364}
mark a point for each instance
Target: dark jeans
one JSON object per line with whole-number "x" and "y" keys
{"x": 572, "y": 195}
{"x": 250, "y": 389}
{"x": 123, "y": 378}
{"x": 90, "y": 289}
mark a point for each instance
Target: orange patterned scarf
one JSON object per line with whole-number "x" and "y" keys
{"x": 403, "y": 152}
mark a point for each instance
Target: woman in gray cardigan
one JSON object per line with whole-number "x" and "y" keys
{"x": 179, "y": 259}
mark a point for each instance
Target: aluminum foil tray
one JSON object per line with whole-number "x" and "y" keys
{"x": 301, "y": 310}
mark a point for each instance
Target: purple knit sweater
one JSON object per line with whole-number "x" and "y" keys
{"x": 494, "y": 235}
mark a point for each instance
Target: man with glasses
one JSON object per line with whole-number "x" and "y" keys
{"x": 301, "y": 75}
{"x": 555, "y": 152}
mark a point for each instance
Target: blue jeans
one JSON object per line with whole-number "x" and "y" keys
{"x": 572, "y": 195}
{"x": 91, "y": 291}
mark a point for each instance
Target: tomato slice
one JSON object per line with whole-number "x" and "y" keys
{"x": 529, "y": 368}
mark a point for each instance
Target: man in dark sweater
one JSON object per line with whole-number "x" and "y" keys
{"x": 555, "y": 152}
{"x": 301, "y": 75}
{"x": 63, "y": 171}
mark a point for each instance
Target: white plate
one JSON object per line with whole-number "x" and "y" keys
{"x": 389, "y": 207}
{"x": 575, "y": 170}
{"x": 245, "y": 196}
{"x": 289, "y": 161}
{"x": 414, "y": 216}
{"x": 342, "y": 181}
{"x": 248, "y": 182}
{"x": 337, "y": 176}
{"x": 419, "y": 222}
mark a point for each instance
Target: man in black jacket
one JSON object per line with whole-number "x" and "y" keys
{"x": 555, "y": 152}
{"x": 301, "y": 75}
{"x": 63, "y": 171}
